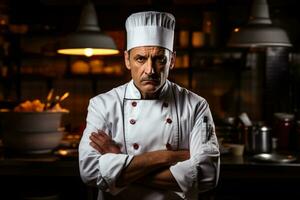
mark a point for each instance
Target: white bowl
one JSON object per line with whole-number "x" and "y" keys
{"x": 32, "y": 142}
{"x": 31, "y": 132}
{"x": 31, "y": 121}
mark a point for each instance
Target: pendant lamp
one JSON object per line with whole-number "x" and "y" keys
{"x": 259, "y": 32}
{"x": 88, "y": 40}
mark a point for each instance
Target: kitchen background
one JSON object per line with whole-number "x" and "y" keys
{"x": 258, "y": 81}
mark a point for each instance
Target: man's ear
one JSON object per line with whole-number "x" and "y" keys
{"x": 126, "y": 59}
{"x": 173, "y": 58}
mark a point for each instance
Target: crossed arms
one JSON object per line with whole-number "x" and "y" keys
{"x": 189, "y": 172}
{"x": 150, "y": 168}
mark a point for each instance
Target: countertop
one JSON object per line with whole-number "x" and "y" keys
{"x": 240, "y": 176}
{"x": 55, "y": 165}
{"x": 245, "y": 167}
{"x": 39, "y": 165}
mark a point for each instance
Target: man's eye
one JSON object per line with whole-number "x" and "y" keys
{"x": 161, "y": 60}
{"x": 140, "y": 59}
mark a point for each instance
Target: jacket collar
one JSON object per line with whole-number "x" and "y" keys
{"x": 132, "y": 91}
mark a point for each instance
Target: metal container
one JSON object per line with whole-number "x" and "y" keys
{"x": 258, "y": 139}
{"x": 263, "y": 140}
{"x": 249, "y": 139}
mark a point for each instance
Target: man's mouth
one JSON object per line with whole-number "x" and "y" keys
{"x": 151, "y": 80}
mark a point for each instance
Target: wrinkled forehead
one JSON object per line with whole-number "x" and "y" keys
{"x": 149, "y": 50}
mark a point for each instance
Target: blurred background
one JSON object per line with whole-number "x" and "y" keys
{"x": 251, "y": 82}
{"x": 258, "y": 81}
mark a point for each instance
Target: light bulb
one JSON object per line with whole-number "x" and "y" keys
{"x": 236, "y": 30}
{"x": 88, "y": 52}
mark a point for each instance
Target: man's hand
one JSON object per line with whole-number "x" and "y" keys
{"x": 103, "y": 143}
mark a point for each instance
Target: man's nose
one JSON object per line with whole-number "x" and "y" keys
{"x": 149, "y": 68}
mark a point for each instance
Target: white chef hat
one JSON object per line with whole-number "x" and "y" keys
{"x": 150, "y": 28}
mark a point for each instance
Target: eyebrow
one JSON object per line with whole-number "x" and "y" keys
{"x": 139, "y": 55}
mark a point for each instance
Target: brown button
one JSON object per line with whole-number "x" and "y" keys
{"x": 136, "y": 146}
{"x": 168, "y": 146}
{"x": 134, "y": 104}
{"x": 165, "y": 104}
{"x": 132, "y": 121}
{"x": 169, "y": 120}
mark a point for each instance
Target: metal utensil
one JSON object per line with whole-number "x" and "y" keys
{"x": 58, "y": 99}
{"x": 64, "y": 96}
{"x": 48, "y": 99}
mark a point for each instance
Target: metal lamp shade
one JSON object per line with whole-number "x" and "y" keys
{"x": 82, "y": 42}
{"x": 256, "y": 35}
{"x": 88, "y": 40}
{"x": 259, "y": 31}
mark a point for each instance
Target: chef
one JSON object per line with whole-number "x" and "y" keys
{"x": 149, "y": 139}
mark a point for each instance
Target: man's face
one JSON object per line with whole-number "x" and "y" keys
{"x": 149, "y": 68}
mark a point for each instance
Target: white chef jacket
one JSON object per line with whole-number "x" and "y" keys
{"x": 178, "y": 118}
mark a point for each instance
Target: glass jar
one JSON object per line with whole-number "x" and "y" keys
{"x": 283, "y": 126}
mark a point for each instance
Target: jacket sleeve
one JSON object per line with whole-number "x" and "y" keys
{"x": 201, "y": 172}
{"x": 96, "y": 169}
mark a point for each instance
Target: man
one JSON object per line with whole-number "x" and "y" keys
{"x": 150, "y": 138}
